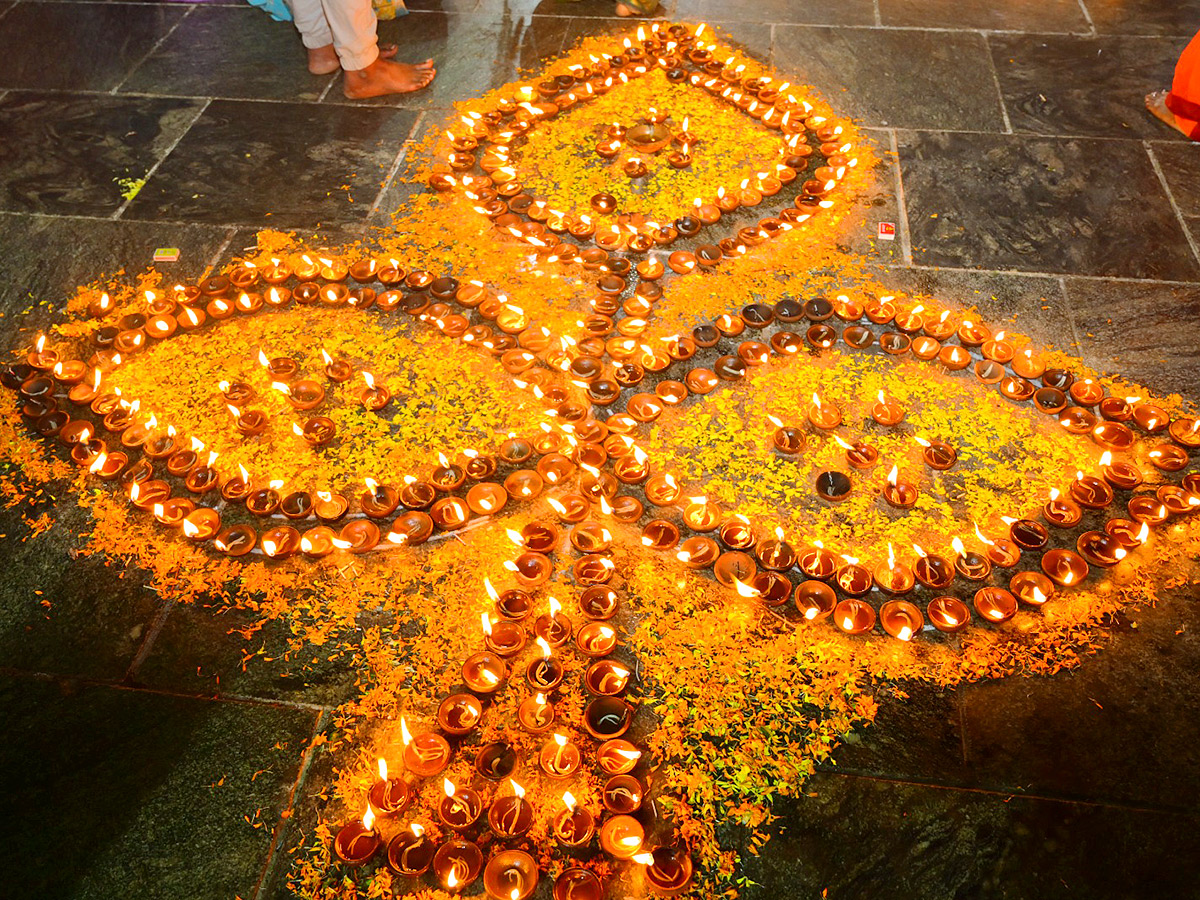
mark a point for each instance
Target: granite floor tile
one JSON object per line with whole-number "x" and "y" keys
{"x": 896, "y": 78}
{"x": 147, "y": 793}
{"x": 47, "y": 257}
{"x": 851, "y": 837}
{"x": 1076, "y": 206}
{"x": 787, "y": 12}
{"x": 282, "y": 165}
{"x": 473, "y": 53}
{"x": 64, "y": 616}
{"x": 1148, "y": 332}
{"x": 1075, "y": 735}
{"x": 56, "y": 45}
{"x": 1086, "y": 86}
{"x": 68, "y": 154}
{"x": 1177, "y": 17}
{"x": 1180, "y": 164}
{"x": 877, "y": 205}
{"x": 259, "y": 59}
{"x": 200, "y": 650}
{"x": 1031, "y": 305}
{"x": 1011, "y": 15}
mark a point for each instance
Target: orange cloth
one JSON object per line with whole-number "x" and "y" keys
{"x": 1184, "y": 99}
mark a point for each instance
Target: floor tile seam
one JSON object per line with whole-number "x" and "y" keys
{"x": 1025, "y": 273}
{"x": 154, "y": 49}
{"x": 4, "y": 12}
{"x": 1087, "y": 14}
{"x": 215, "y": 259}
{"x": 1009, "y": 795}
{"x": 147, "y": 645}
{"x": 901, "y": 202}
{"x": 878, "y": 13}
{"x": 240, "y": 699}
{"x": 1162, "y": 178}
{"x": 287, "y": 812}
{"x": 1069, "y": 313}
{"x": 154, "y": 168}
{"x": 991, "y": 61}
{"x": 396, "y": 163}
{"x": 1017, "y": 133}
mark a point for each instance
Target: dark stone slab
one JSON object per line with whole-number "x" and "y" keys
{"x": 259, "y": 59}
{"x": 142, "y": 795}
{"x": 914, "y": 737}
{"x": 64, "y": 616}
{"x": 44, "y": 43}
{"x": 1180, "y": 164}
{"x": 473, "y": 53}
{"x": 1177, "y": 17}
{"x": 1087, "y": 86}
{"x": 878, "y": 204}
{"x": 47, "y": 257}
{"x": 995, "y": 201}
{"x": 1149, "y": 332}
{"x": 898, "y": 78}
{"x": 200, "y": 650}
{"x": 1014, "y": 15}
{"x": 1032, "y": 305}
{"x": 861, "y": 837}
{"x": 1122, "y": 728}
{"x": 282, "y": 165}
{"x": 82, "y": 155}
{"x": 787, "y": 12}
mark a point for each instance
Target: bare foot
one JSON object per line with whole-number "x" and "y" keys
{"x": 1157, "y": 104}
{"x": 625, "y": 11}
{"x": 323, "y": 60}
{"x": 384, "y": 77}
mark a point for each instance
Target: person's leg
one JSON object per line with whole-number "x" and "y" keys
{"x": 369, "y": 71}
{"x": 309, "y": 17}
{"x": 636, "y": 7}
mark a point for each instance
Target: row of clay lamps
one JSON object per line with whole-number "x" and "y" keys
{"x": 510, "y": 815}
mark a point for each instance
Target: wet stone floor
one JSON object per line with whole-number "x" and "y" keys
{"x": 141, "y": 759}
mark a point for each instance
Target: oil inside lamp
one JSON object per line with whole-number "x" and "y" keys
{"x": 460, "y": 808}
{"x": 410, "y": 853}
{"x": 825, "y": 417}
{"x": 885, "y": 411}
{"x": 426, "y": 754}
{"x": 948, "y": 614}
{"x": 388, "y": 796}
{"x": 559, "y": 758}
{"x": 899, "y": 494}
{"x": 357, "y": 842}
{"x": 573, "y": 826}
{"x": 969, "y": 564}
{"x": 787, "y": 439}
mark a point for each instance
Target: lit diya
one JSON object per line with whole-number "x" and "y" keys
{"x": 357, "y": 842}
{"x": 389, "y": 797}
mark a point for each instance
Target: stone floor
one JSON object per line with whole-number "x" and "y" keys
{"x": 142, "y": 757}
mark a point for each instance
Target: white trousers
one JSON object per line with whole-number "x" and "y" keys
{"x": 347, "y": 24}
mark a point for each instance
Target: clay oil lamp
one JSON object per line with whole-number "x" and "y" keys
{"x": 317, "y": 542}
{"x": 1100, "y": 549}
{"x": 606, "y": 678}
{"x": 484, "y": 672}
{"x": 668, "y": 870}
{"x": 531, "y": 569}
{"x": 546, "y": 672}
{"x": 553, "y": 627}
{"x": 109, "y": 465}
{"x": 379, "y": 500}
{"x": 599, "y": 602}
{"x": 330, "y": 507}
{"x": 337, "y": 370}
{"x": 573, "y": 826}
{"x": 1168, "y": 457}
{"x": 460, "y": 808}
{"x": 787, "y": 439}
{"x": 1060, "y": 511}
{"x": 622, "y": 794}
{"x": 738, "y": 534}
{"x": 373, "y": 397}
{"x": 818, "y": 563}
{"x": 510, "y": 875}
{"x": 1001, "y": 552}
{"x": 1185, "y": 432}
{"x": 417, "y": 494}
{"x": 854, "y": 579}
{"x": 901, "y": 619}
{"x": 1017, "y": 389}
{"x": 1090, "y": 492}
{"x": 894, "y": 577}
{"x": 948, "y": 614}
{"x": 264, "y": 501}
{"x": 42, "y": 357}
{"x": 607, "y": 717}
{"x": 1151, "y": 419}
{"x": 937, "y": 454}
{"x": 1064, "y": 567}
{"x": 536, "y": 714}
{"x": 596, "y": 639}
{"x": 591, "y": 537}
{"x": 887, "y": 412}
{"x": 969, "y": 564}
{"x": 833, "y": 487}
{"x": 410, "y": 852}
{"x": 505, "y": 638}
{"x": 426, "y": 754}
{"x": 317, "y": 431}
{"x": 249, "y": 422}
{"x": 511, "y": 815}
{"x": 459, "y": 713}
{"x": 859, "y": 455}
{"x": 389, "y": 797}
{"x": 357, "y": 842}
{"x": 303, "y": 395}
{"x": 776, "y": 553}
{"x": 236, "y": 540}
{"x": 1027, "y": 534}
{"x": 456, "y": 864}
{"x": 621, "y": 836}
{"x": 578, "y": 884}
{"x": 995, "y": 604}
{"x": 825, "y": 417}
{"x": 617, "y": 757}
{"x": 1130, "y": 534}
{"x": 1145, "y": 508}
{"x": 1027, "y": 365}
{"x": 932, "y": 571}
{"x": 854, "y": 616}
{"x": 559, "y": 757}
{"x": 279, "y": 368}
{"x": 899, "y": 494}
